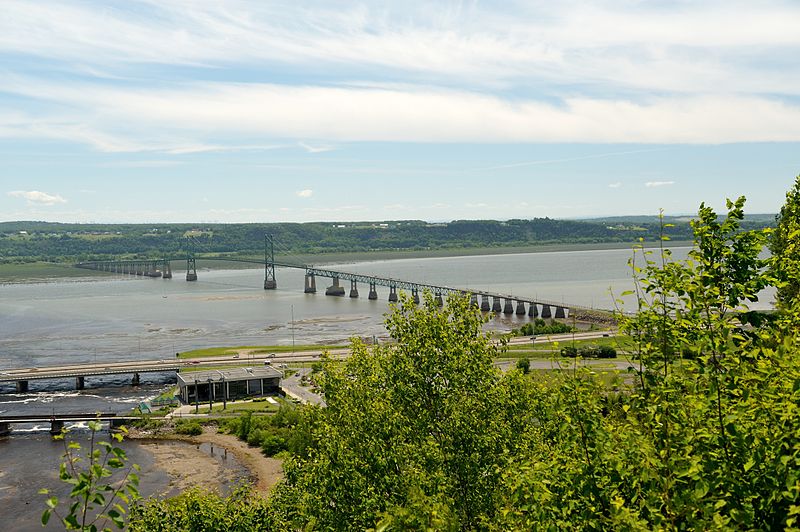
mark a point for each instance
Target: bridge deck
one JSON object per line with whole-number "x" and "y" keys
{"x": 347, "y": 276}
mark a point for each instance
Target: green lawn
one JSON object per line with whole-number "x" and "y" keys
{"x": 256, "y": 350}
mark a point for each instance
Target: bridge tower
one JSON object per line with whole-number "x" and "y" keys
{"x": 269, "y": 263}
{"x": 191, "y": 269}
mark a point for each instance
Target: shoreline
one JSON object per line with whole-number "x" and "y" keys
{"x": 194, "y": 467}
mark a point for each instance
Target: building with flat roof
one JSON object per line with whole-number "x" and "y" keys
{"x": 227, "y": 384}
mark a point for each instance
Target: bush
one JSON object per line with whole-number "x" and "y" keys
{"x": 539, "y": 326}
{"x": 189, "y": 428}
{"x": 606, "y": 351}
{"x": 273, "y": 444}
{"x": 569, "y": 351}
{"x": 524, "y": 365}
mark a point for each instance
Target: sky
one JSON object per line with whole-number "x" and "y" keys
{"x": 194, "y": 111}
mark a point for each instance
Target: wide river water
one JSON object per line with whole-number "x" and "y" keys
{"x": 115, "y": 317}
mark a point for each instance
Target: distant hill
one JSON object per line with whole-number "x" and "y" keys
{"x": 31, "y": 241}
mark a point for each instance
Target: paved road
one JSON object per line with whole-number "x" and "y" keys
{"x": 144, "y": 366}
{"x": 291, "y": 385}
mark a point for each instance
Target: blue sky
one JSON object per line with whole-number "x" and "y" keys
{"x": 146, "y": 111}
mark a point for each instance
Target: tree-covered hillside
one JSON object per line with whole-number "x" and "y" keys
{"x": 31, "y": 241}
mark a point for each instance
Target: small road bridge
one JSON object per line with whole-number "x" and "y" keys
{"x": 487, "y": 301}
{"x": 57, "y": 420}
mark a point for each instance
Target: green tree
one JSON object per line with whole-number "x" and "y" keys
{"x": 785, "y": 247}
{"x": 95, "y": 498}
{"x": 424, "y": 422}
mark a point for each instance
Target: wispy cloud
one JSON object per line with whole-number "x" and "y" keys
{"x": 618, "y": 184}
{"x": 655, "y": 184}
{"x": 316, "y": 149}
{"x": 36, "y": 197}
{"x": 306, "y": 193}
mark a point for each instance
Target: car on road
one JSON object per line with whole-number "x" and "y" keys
{"x": 271, "y": 355}
{"x": 236, "y": 355}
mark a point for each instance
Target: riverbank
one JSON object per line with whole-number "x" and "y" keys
{"x": 206, "y": 463}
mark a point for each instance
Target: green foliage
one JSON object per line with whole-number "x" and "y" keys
{"x": 541, "y": 327}
{"x": 188, "y": 427}
{"x": 785, "y": 247}
{"x": 524, "y": 365}
{"x": 97, "y": 497}
{"x": 196, "y": 510}
{"x": 425, "y": 423}
{"x": 711, "y": 441}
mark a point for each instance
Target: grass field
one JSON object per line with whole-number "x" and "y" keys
{"x": 256, "y": 350}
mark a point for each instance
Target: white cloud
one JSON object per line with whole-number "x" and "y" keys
{"x": 316, "y": 149}
{"x": 421, "y": 114}
{"x": 36, "y": 197}
{"x": 654, "y": 184}
{"x": 618, "y": 184}
{"x": 306, "y": 193}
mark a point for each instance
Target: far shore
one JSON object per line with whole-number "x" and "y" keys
{"x": 36, "y": 272}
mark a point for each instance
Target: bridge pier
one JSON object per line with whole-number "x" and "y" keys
{"x": 22, "y": 386}
{"x": 392, "y": 294}
{"x": 373, "y": 293}
{"x": 438, "y": 300}
{"x": 5, "y": 429}
{"x": 56, "y": 426}
{"x": 79, "y": 383}
{"x": 335, "y": 289}
{"x": 520, "y": 308}
{"x": 496, "y": 308}
{"x": 353, "y": 289}
{"x": 546, "y": 313}
{"x": 167, "y": 270}
{"x": 135, "y": 380}
{"x": 508, "y": 309}
{"x": 485, "y": 303}
{"x": 560, "y": 313}
{"x": 311, "y": 284}
{"x": 415, "y": 295}
{"x": 533, "y": 312}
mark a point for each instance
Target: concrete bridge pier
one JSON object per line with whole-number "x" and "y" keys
{"x": 496, "y": 308}
{"x": 438, "y": 299}
{"x": 5, "y": 429}
{"x": 79, "y": 383}
{"x": 22, "y": 386}
{"x": 392, "y": 294}
{"x": 335, "y": 289}
{"x": 485, "y": 303}
{"x": 353, "y": 288}
{"x": 508, "y": 309}
{"x": 533, "y": 312}
{"x": 560, "y": 312}
{"x": 415, "y": 295}
{"x": 135, "y": 380}
{"x": 311, "y": 284}
{"x": 56, "y": 426}
{"x": 373, "y": 293}
{"x": 520, "y": 308}
{"x": 546, "y": 312}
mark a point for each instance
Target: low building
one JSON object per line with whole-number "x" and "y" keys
{"x": 237, "y": 383}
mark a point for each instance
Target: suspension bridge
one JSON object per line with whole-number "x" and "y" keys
{"x": 487, "y": 301}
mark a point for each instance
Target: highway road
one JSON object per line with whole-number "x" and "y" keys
{"x": 244, "y": 358}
